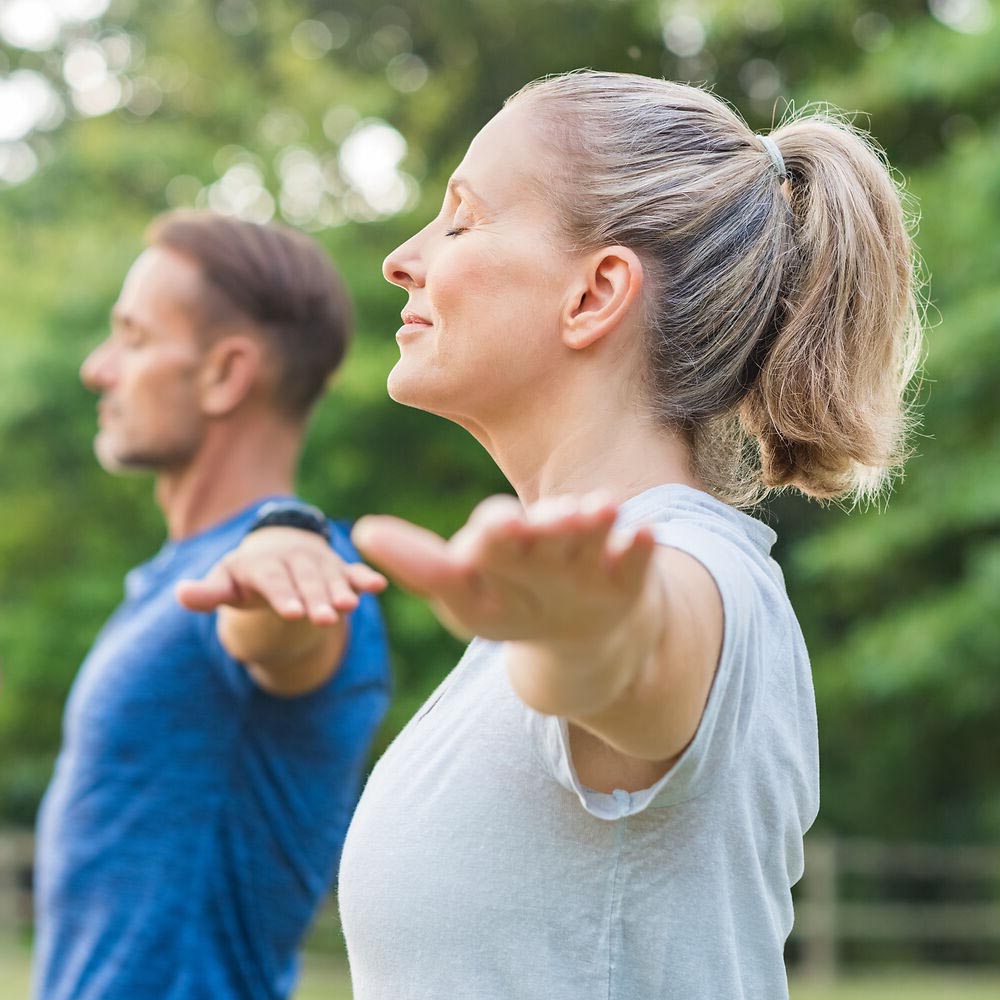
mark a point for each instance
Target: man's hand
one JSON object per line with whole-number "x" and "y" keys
{"x": 284, "y": 596}
{"x": 294, "y": 573}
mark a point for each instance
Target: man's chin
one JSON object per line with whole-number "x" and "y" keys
{"x": 119, "y": 463}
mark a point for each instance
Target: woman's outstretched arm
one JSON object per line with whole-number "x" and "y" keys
{"x": 604, "y": 627}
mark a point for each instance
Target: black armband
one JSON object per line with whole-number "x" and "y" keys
{"x": 292, "y": 514}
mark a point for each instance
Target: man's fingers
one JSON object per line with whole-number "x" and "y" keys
{"x": 364, "y": 579}
{"x": 414, "y": 557}
{"x": 218, "y": 587}
{"x": 316, "y": 592}
{"x": 274, "y": 585}
{"x": 342, "y": 594}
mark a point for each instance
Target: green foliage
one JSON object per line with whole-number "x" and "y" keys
{"x": 900, "y": 608}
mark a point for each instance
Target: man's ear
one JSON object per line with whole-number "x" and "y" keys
{"x": 229, "y": 372}
{"x": 609, "y": 284}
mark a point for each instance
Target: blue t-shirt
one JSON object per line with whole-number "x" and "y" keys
{"x": 194, "y": 822}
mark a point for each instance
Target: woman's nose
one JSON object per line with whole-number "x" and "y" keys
{"x": 404, "y": 266}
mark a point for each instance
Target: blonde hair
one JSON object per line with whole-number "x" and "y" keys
{"x": 781, "y": 311}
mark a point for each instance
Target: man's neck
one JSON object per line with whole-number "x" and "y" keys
{"x": 227, "y": 475}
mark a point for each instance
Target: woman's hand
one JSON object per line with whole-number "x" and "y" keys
{"x": 557, "y": 581}
{"x": 556, "y": 571}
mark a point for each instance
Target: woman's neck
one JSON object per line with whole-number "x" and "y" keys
{"x": 620, "y": 453}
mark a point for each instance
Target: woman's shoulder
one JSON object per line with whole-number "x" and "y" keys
{"x": 692, "y": 519}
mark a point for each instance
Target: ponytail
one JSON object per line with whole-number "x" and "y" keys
{"x": 781, "y": 318}
{"x": 830, "y": 408}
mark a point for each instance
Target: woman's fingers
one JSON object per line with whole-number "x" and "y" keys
{"x": 496, "y": 533}
{"x": 574, "y": 530}
{"x": 627, "y": 557}
{"x": 503, "y": 535}
{"x": 552, "y": 532}
{"x": 417, "y": 559}
{"x": 510, "y": 572}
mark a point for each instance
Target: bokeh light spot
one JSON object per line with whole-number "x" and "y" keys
{"x": 311, "y": 39}
{"x": 369, "y": 159}
{"x": 406, "y": 72}
{"x": 971, "y": 17}
{"x": 18, "y": 162}
{"x": 27, "y": 102}
{"x": 684, "y": 34}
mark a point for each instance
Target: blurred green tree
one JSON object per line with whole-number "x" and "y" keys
{"x": 345, "y": 117}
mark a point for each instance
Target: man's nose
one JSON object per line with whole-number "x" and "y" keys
{"x": 98, "y": 368}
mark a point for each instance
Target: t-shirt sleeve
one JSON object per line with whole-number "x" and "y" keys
{"x": 732, "y": 700}
{"x": 228, "y": 670}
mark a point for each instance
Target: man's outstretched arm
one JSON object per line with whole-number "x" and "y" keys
{"x": 284, "y": 599}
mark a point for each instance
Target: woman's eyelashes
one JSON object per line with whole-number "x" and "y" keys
{"x": 459, "y": 220}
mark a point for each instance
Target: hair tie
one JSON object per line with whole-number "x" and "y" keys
{"x": 771, "y": 147}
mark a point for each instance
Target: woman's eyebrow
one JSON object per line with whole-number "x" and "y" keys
{"x": 461, "y": 189}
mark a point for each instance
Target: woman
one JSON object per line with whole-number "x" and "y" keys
{"x": 650, "y": 317}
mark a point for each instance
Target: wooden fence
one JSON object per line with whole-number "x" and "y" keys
{"x": 857, "y": 901}
{"x": 916, "y": 902}
{"x": 16, "y": 851}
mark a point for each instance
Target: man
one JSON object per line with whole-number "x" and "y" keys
{"x": 210, "y": 763}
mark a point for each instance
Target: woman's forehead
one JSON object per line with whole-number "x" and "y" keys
{"x": 505, "y": 158}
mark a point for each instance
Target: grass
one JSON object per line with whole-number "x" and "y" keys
{"x": 325, "y": 978}
{"x": 904, "y": 985}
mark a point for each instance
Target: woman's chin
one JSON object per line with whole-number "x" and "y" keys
{"x": 407, "y": 387}
{"x": 433, "y": 395}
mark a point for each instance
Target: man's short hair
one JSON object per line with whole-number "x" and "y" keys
{"x": 280, "y": 280}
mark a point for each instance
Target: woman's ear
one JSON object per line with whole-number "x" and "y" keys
{"x": 229, "y": 372}
{"x": 609, "y": 284}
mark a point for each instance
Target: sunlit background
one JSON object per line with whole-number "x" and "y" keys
{"x": 344, "y": 118}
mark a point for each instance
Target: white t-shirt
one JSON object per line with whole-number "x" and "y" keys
{"x": 478, "y": 866}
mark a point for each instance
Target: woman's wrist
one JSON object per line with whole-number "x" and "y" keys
{"x": 582, "y": 675}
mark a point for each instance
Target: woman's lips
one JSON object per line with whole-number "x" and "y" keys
{"x": 412, "y": 326}
{"x": 413, "y": 319}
